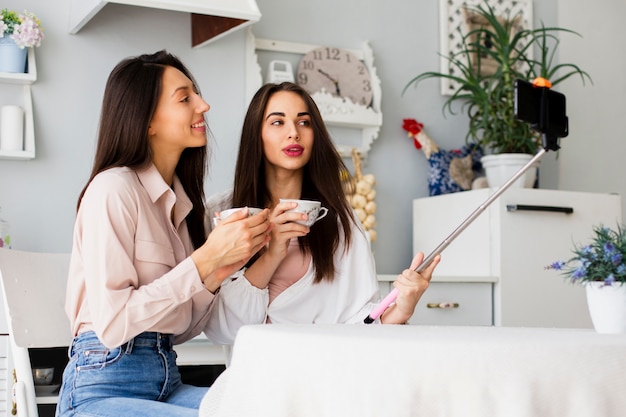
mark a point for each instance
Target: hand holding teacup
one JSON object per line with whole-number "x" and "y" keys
{"x": 239, "y": 234}
{"x": 291, "y": 219}
{"x": 225, "y": 213}
{"x": 313, "y": 210}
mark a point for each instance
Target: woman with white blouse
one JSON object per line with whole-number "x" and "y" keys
{"x": 319, "y": 274}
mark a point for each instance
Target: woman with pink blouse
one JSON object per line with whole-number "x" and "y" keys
{"x": 143, "y": 274}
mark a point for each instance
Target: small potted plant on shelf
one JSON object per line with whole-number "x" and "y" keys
{"x": 493, "y": 54}
{"x": 601, "y": 267}
{"x": 18, "y": 31}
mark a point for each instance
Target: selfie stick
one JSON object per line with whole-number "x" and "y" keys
{"x": 391, "y": 297}
{"x": 549, "y": 143}
{"x": 549, "y": 137}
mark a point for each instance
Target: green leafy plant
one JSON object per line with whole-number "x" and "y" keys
{"x": 603, "y": 260}
{"x": 24, "y": 28}
{"x": 484, "y": 69}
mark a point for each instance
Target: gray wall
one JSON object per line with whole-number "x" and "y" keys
{"x": 593, "y": 156}
{"x": 38, "y": 197}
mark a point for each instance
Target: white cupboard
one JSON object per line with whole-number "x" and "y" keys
{"x": 506, "y": 249}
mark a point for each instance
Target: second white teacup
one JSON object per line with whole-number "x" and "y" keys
{"x": 313, "y": 209}
{"x": 225, "y": 213}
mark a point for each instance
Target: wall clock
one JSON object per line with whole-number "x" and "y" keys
{"x": 336, "y": 71}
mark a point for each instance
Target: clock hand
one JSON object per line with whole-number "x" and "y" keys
{"x": 325, "y": 74}
{"x": 331, "y": 79}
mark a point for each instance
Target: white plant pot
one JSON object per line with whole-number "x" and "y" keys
{"x": 500, "y": 168}
{"x": 607, "y": 307}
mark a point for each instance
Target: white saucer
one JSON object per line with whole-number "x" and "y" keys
{"x": 42, "y": 390}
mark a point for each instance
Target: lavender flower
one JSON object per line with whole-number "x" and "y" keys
{"x": 601, "y": 260}
{"x": 558, "y": 265}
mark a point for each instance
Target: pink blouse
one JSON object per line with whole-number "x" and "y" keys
{"x": 130, "y": 269}
{"x": 290, "y": 270}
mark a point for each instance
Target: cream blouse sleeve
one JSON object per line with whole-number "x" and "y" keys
{"x": 237, "y": 304}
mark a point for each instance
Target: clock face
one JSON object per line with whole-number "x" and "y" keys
{"x": 338, "y": 72}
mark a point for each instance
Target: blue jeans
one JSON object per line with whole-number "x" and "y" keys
{"x": 139, "y": 378}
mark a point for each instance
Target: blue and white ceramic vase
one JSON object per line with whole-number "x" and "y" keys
{"x": 12, "y": 57}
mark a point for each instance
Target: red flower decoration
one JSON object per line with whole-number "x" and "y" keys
{"x": 413, "y": 127}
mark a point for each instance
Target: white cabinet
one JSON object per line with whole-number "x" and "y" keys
{"x": 16, "y": 90}
{"x": 511, "y": 247}
{"x": 451, "y": 301}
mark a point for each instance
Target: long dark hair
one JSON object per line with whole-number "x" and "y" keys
{"x": 130, "y": 99}
{"x": 321, "y": 179}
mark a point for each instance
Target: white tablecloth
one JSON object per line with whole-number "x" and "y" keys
{"x": 392, "y": 371}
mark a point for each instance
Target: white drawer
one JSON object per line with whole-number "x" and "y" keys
{"x": 459, "y": 304}
{"x": 470, "y": 304}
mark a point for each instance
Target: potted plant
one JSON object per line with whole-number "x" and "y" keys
{"x": 493, "y": 54}
{"x": 601, "y": 267}
{"x": 18, "y": 31}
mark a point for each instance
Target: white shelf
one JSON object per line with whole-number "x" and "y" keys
{"x": 26, "y": 79}
{"x": 340, "y": 112}
{"x": 230, "y": 15}
{"x": 47, "y": 399}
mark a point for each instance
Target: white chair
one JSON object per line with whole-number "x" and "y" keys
{"x": 34, "y": 300}
{"x": 33, "y": 285}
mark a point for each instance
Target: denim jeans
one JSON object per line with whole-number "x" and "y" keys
{"x": 139, "y": 378}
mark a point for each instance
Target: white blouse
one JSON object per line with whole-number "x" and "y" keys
{"x": 349, "y": 298}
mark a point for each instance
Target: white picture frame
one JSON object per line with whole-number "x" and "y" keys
{"x": 452, "y": 27}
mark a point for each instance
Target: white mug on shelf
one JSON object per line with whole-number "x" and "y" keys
{"x": 12, "y": 128}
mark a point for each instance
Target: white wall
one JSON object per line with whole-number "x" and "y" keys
{"x": 592, "y": 158}
{"x": 38, "y": 197}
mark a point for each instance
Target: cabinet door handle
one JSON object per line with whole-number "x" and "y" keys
{"x": 442, "y": 305}
{"x": 527, "y": 207}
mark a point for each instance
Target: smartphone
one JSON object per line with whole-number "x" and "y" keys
{"x": 542, "y": 108}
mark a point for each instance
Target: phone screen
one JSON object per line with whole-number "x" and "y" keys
{"x": 526, "y": 102}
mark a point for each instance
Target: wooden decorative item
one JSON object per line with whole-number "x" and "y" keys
{"x": 362, "y": 195}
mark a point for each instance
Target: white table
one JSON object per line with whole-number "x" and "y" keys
{"x": 387, "y": 370}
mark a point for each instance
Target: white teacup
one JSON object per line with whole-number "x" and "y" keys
{"x": 313, "y": 209}
{"x": 225, "y": 213}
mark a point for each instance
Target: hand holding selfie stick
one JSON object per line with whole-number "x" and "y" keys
{"x": 549, "y": 142}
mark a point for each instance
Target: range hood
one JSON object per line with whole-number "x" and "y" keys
{"x": 210, "y": 19}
